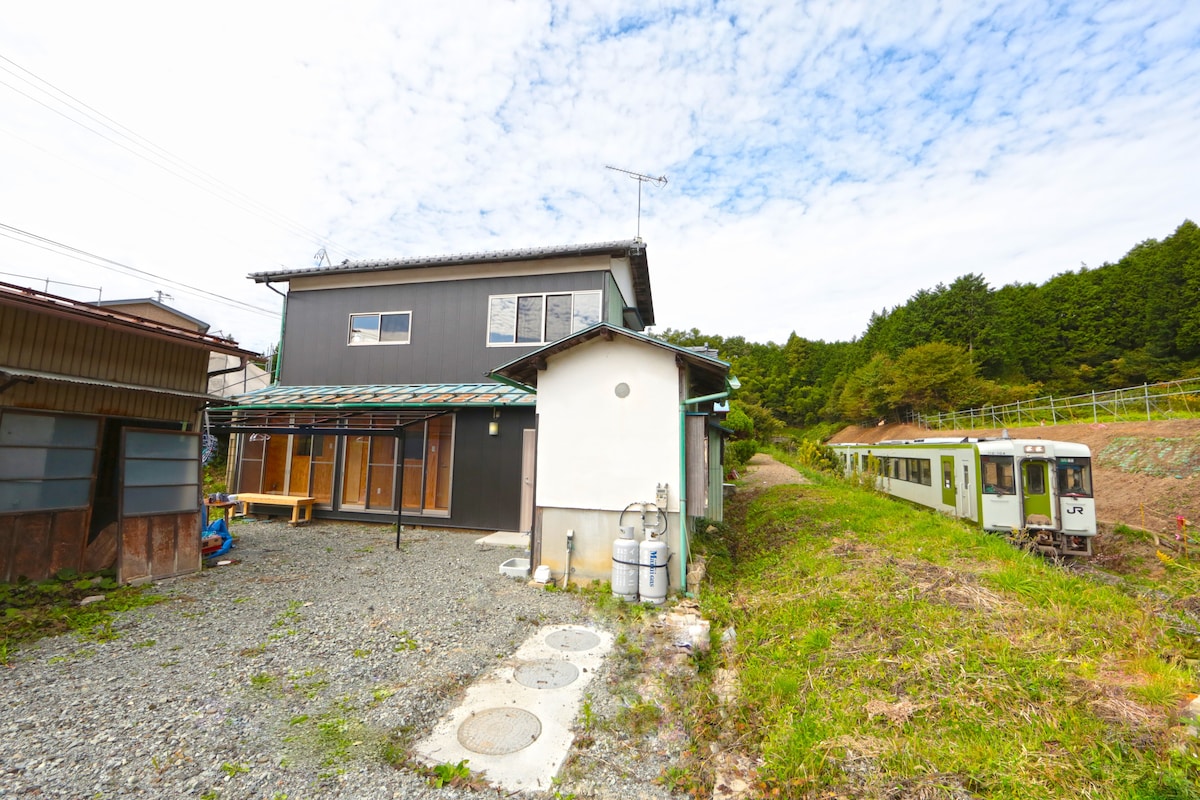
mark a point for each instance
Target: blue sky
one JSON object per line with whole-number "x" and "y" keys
{"x": 824, "y": 160}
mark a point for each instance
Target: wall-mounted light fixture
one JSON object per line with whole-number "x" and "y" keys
{"x": 494, "y": 425}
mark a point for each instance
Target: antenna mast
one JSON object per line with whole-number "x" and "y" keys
{"x": 660, "y": 181}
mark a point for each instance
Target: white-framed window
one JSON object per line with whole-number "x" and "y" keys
{"x": 521, "y": 319}
{"x": 387, "y": 327}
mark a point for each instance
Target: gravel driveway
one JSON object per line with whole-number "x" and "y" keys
{"x": 288, "y": 674}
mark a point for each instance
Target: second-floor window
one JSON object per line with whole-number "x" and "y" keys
{"x": 540, "y": 318}
{"x": 389, "y": 327}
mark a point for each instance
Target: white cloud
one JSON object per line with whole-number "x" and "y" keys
{"x": 825, "y": 161}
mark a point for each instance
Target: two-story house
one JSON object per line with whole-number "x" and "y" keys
{"x": 384, "y": 408}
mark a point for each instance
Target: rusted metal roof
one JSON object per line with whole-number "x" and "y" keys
{"x": 42, "y": 302}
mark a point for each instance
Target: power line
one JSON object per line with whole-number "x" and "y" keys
{"x": 196, "y": 176}
{"x": 67, "y": 250}
{"x": 48, "y": 281}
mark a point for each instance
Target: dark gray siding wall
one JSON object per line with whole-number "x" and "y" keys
{"x": 487, "y": 470}
{"x": 449, "y": 331}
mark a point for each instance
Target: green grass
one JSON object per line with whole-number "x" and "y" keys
{"x": 30, "y": 610}
{"x": 882, "y": 648}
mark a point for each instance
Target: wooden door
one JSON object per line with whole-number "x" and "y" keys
{"x": 528, "y": 469}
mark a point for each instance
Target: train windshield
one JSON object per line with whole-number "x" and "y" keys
{"x": 1075, "y": 477}
{"x": 998, "y": 475}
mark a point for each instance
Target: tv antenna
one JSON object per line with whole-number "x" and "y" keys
{"x": 660, "y": 181}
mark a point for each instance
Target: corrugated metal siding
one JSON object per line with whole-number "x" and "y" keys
{"x": 53, "y": 344}
{"x": 83, "y": 399}
{"x": 697, "y": 465}
{"x": 449, "y": 330}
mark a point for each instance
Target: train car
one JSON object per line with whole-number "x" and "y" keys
{"x": 1040, "y": 487}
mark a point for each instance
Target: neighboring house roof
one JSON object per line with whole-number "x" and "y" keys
{"x": 524, "y": 370}
{"x": 327, "y": 404}
{"x": 633, "y": 249}
{"x": 184, "y": 320}
{"x": 239, "y": 380}
{"x": 87, "y": 313}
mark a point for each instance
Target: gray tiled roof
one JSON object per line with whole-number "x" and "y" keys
{"x": 620, "y": 247}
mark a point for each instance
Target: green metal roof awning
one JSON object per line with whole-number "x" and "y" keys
{"x": 317, "y": 408}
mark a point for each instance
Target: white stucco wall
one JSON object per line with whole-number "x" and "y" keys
{"x": 597, "y": 450}
{"x": 622, "y": 274}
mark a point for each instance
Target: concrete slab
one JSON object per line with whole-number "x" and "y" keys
{"x": 506, "y": 539}
{"x": 514, "y": 724}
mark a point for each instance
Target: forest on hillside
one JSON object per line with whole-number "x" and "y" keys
{"x": 969, "y": 344}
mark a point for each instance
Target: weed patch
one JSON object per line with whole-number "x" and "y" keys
{"x": 30, "y": 610}
{"x": 884, "y": 650}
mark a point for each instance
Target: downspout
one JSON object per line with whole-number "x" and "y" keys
{"x": 241, "y": 366}
{"x": 730, "y": 385}
{"x": 683, "y": 529}
{"x": 277, "y": 366}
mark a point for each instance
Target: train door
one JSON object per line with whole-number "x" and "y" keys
{"x": 1036, "y": 508}
{"x": 966, "y": 492}
{"x": 949, "y": 493}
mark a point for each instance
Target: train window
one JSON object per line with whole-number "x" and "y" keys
{"x": 998, "y": 475}
{"x": 1035, "y": 479}
{"x": 1075, "y": 477}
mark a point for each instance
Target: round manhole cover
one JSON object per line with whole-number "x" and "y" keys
{"x": 573, "y": 639}
{"x": 546, "y": 674}
{"x": 499, "y": 731}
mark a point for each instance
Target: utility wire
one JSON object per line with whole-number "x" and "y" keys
{"x": 50, "y": 280}
{"x": 25, "y": 237}
{"x": 196, "y": 176}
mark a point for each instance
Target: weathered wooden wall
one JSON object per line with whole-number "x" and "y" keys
{"x": 36, "y": 546}
{"x": 159, "y": 546}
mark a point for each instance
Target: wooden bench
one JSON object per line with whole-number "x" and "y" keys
{"x": 302, "y": 507}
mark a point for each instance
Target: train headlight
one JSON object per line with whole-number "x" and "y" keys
{"x": 1035, "y": 448}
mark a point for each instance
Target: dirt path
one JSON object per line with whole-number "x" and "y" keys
{"x": 762, "y": 472}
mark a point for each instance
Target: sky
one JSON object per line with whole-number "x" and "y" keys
{"x": 823, "y": 160}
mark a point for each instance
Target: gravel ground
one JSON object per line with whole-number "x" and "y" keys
{"x": 288, "y": 673}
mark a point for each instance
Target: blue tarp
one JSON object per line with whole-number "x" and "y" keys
{"x": 219, "y": 528}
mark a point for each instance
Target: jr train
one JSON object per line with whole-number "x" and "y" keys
{"x": 1036, "y": 486}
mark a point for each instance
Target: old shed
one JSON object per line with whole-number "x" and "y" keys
{"x": 99, "y": 439}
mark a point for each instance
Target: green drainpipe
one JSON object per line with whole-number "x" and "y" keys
{"x": 277, "y": 366}
{"x": 730, "y": 384}
{"x": 683, "y": 530}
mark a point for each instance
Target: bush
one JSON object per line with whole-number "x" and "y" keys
{"x": 817, "y": 456}
{"x": 738, "y": 452}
